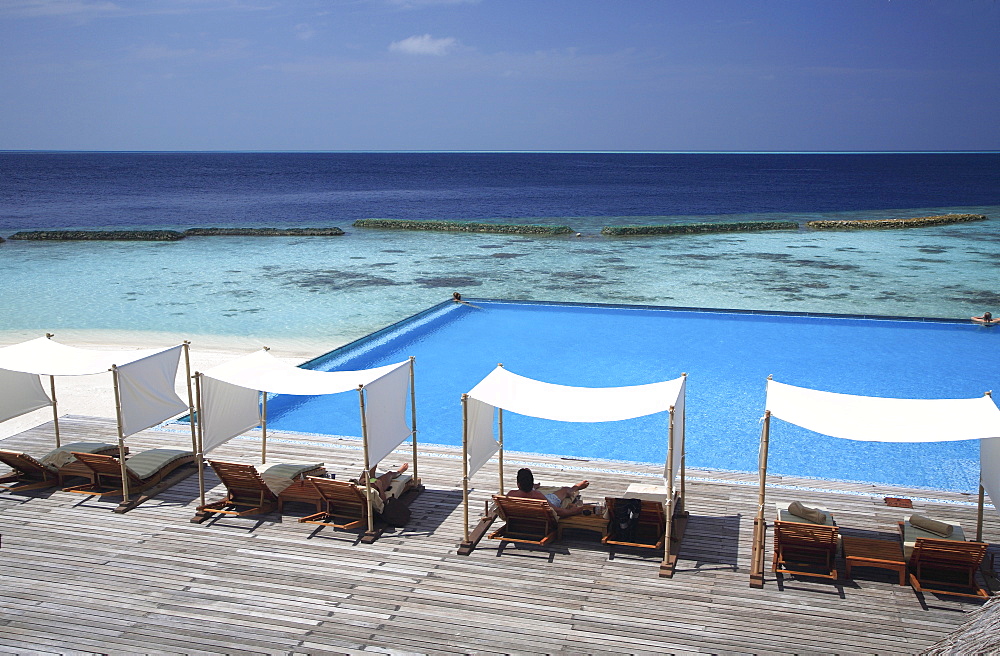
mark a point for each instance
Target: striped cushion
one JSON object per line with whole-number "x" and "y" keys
{"x": 147, "y": 463}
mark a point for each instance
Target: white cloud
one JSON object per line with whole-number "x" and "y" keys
{"x": 424, "y": 44}
{"x": 304, "y": 31}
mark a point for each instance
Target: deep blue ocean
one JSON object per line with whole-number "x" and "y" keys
{"x": 172, "y": 190}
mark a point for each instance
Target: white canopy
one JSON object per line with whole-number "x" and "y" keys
{"x": 20, "y": 393}
{"x": 146, "y": 379}
{"x": 263, "y": 372}
{"x": 46, "y": 357}
{"x": 877, "y": 419}
{"x": 533, "y": 398}
{"x": 230, "y": 397}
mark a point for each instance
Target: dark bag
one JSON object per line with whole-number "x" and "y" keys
{"x": 625, "y": 519}
{"x": 395, "y": 513}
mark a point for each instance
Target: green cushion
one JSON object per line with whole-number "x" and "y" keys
{"x": 147, "y": 463}
{"x": 57, "y": 458}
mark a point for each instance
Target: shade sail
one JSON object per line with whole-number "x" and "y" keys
{"x": 533, "y": 398}
{"x": 876, "y": 419}
{"x": 263, "y": 372}
{"x": 147, "y": 391}
{"x": 20, "y": 393}
{"x": 385, "y": 410}
{"x": 46, "y": 357}
{"x": 227, "y": 411}
{"x": 480, "y": 443}
{"x": 230, "y": 397}
{"x": 989, "y": 469}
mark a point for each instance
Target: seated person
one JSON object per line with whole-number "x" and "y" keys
{"x": 382, "y": 482}
{"x": 527, "y": 489}
{"x": 986, "y": 319}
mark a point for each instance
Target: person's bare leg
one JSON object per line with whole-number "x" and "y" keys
{"x": 565, "y": 492}
{"x": 383, "y": 482}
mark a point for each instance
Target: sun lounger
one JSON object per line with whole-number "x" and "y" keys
{"x": 345, "y": 506}
{"x": 52, "y": 469}
{"x": 146, "y": 470}
{"x": 251, "y": 491}
{"x": 644, "y": 530}
{"x": 909, "y": 534}
{"x": 805, "y": 549}
{"x": 785, "y": 515}
{"x": 942, "y": 565}
{"x": 528, "y": 521}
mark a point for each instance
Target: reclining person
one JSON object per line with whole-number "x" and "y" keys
{"x": 382, "y": 482}
{"x": 528, "y": 489}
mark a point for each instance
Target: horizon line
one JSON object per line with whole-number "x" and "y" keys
{"x": 515, "y": 152}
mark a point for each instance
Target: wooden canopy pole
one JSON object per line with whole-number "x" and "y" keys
{"x": 187, "y": 369}
{"x": 263, "y": 427}
{"x": 500, "y": 452}
{"x": 759, "y": 527}
{"x": 465, "y": 465}
{"x": 263, "y": 422}
{"x": 413, "y": 421}
{"x": 666, "y": 569}
{"x": 367, "y": 474}
{"x": 55, "y": 407}
{"x": 200, "y": 448}
{"x": 683, "y": 441}
{"x": 982, "y": 491}
{"x": 121, "y": 435}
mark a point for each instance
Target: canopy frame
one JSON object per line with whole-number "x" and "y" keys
{"x": 760, "y": 524}
{"x": 673, "y": 503}
{"x": 198, "y": 417}
{"x": 53, "y": 399}
{"x": 25, "y": 367}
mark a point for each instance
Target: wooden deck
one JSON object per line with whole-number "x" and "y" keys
{"x": 77, "y": 577}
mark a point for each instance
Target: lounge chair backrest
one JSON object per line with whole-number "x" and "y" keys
{"x": 646, "y": 528}
{"x": 524, "y": 509}
{"x": 948, "y": 553}
{"x": 242, "y": 480}
{"x": 108, "y": 466}
{"x": 341, "y": 498}
{"x": 25, "y": 464}
{"x": 815, "y": 536}
{"x": 527, "y": 520}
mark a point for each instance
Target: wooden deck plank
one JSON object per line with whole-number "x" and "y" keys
{"x": 151, "y": 581}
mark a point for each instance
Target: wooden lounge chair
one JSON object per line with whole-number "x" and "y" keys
{"x": 805, "y": 549}
{"x": 246, "y": 492}
{"x": 148, "y": 472}
{"x": 947, "y": 567}
{"x": 249, "y": 491}
{"x": 53, "y": 468}
{"x": 345, "y": 506}
{"x": 647, "y": 530}
{"x": 528, "y": 521}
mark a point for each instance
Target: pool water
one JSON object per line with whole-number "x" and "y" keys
{"x": 727, "y": 356}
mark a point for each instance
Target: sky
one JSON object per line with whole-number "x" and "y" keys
{"x": 613, "y": 75}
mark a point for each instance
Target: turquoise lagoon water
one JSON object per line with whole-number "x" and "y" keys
{"x": 333, "y": 290}
{"x": 727, "y": 355}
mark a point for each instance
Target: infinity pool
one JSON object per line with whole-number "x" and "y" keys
{"x": 727, "y": 356}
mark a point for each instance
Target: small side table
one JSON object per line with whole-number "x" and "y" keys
{"x": 865, "y": 552}
{"x": 597, "y": 523}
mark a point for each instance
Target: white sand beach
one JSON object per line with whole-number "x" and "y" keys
{"x": 93, "y": 395}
